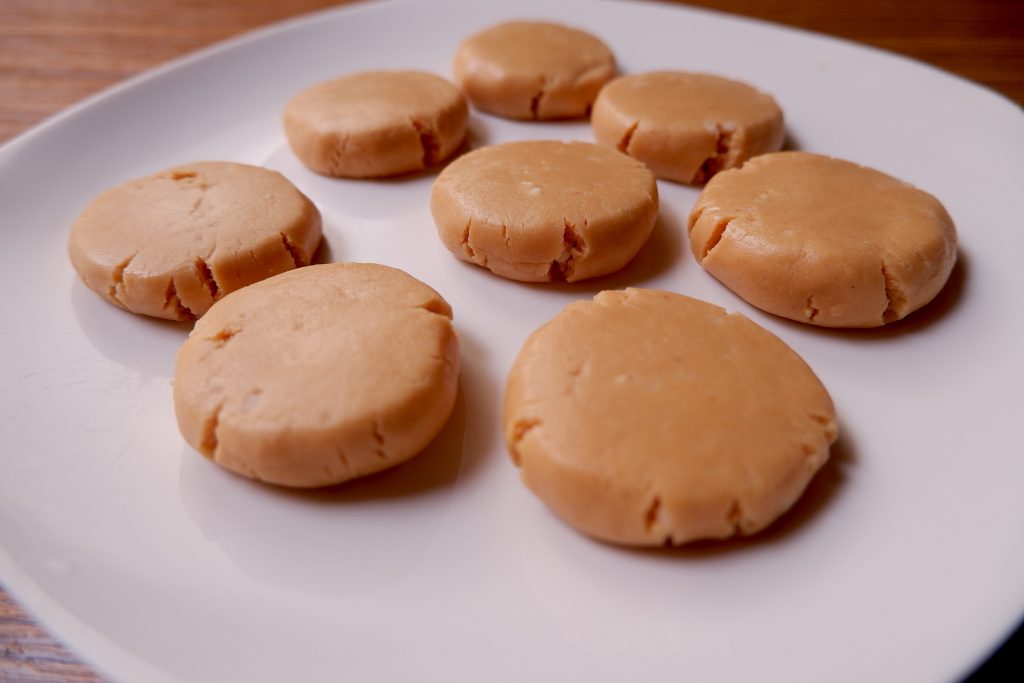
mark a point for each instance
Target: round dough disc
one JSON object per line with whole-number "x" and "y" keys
{"x": 545, "y": 210}
{"x": 319, "y": 375}
{"x": 687, "y": 126}
{"x": 170, "y": 244}
{"x": 823, "y": 241}
{"x": 649, "y": 418}
{"x": 533, "y": 70}
{"x": 376, "y": 123}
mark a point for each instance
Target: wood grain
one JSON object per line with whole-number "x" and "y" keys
{"x": 53, "y": 53}
{"x": 29, "y": 655}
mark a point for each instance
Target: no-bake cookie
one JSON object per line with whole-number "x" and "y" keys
{"x": 319, "y": 375}
{"x": 171, "y": 244}
{"x": 687, "y": 126}
{"x": 533, "y": 70}
{"x": 648, "y": 418}
{"x": 376, "y": 123}
{"x": 823, "y": 241}
{"x": 545, "y": 210}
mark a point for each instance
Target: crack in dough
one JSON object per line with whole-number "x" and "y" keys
{"x": 169, "y": 226}
{"x": 627, "y": 137}
{"x": 206, "y": 277}
{"x": 653, "y": 514}
{"x": 465, "y": 241}
{"x": 336, "y": 157}
{"x": 173, "y": 303}
{"x": 535, "y": 103}
{"x": 428, "y": 141}
{"x": 828, "y": 425}
{"x": 716, "y": 236}
{"x": 573, "y": 245}
{"x": 695, "y": 216}
{"x": 542, "y": 211}
{"x": 810, "y": 310}
{"x": 116, "y": 290}
{"x": 721, "y": 156}
{"x": 298, "y": 258}
{"x": 339, "y": 452}
{"x": 224, "y": 336}
{"x": 520, "y": 429}
{"x": 210, "y": 439}
{"x": 378, "y": 441}
{"x": 895, "y": 299}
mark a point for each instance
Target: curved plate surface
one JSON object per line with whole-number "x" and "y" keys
{"x": 903, "y": 562}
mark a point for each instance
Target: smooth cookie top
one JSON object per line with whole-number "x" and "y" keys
{"x": 823, "y": 241}
{"x": 687, "y": 126}
{"x": 545, "y": 210}
{"x": 645, "y": 418}
{"x": 376, "y": 123}
{"x": 533, "y": 70}
{"x": 319, "y": 375}
{"x": 170, "y": 244}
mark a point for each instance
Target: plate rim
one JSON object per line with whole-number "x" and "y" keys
{"x": 117, "y": 663}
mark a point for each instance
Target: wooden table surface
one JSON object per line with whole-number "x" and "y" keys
{"x": 56, "y": 52}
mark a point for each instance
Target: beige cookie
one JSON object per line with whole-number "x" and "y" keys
{"x": 545, "y": 210}
{"x": 376, "y": 123}
{"x": 170, "y": 244}
{"x": 686, "y": 126}
{"x": 319, "y": 375}
{"x": 823, "y": 241}
{"x": 648, "y": 418}
{"x": 533, "y": 70}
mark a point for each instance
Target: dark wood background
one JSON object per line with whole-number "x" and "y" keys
{"x": 55, "y": 52}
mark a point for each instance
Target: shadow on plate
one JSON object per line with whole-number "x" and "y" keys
{"x": 347, "y": 541}
{"x": 455, "y": 453}
{"x": 482, "y": 397}
{"x": 932, "y": 313}
{"x": 820, "y": 492}
{"x": 475, "y": 139}
{"x": 146, "y": 344}
{"x": 661, "y": 252}
{"x": 791, "y": 143}
{"x": 142, "y": 342}
{"x": 326, "y": 252}
{"x": 436, "y": 466}
{"x": 368, "y": 198}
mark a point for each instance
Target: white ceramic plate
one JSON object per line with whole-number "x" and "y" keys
{"x": 904, "y": 562}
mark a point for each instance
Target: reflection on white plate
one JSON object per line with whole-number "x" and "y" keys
{"x": 902, "y": 563}
{"x": 268, "y": 533}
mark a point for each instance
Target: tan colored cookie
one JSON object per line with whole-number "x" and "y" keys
{"x": 376, "y": 123}
{"x": 685, "y": 126}
{"x": 533, "y": 70}
{"x": 170, "y": 244}
{"x": 648, "y": 418}
{"x": 545, "y": 210}
{"x": 319, "y": 375}
{"x": 823, "y": 241}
